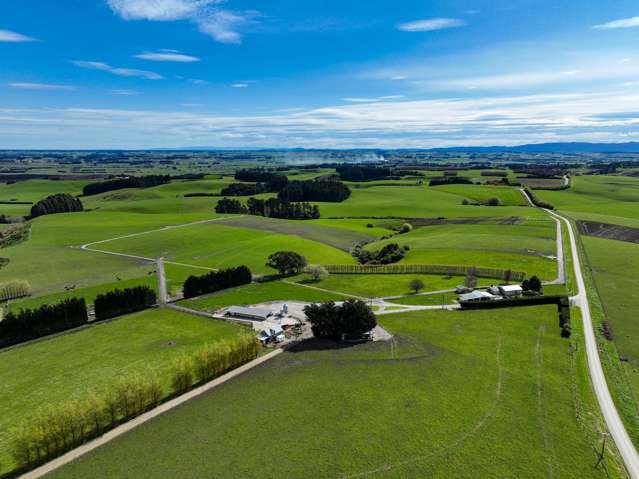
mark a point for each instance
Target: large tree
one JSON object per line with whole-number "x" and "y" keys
{"x": 287, "y": 262}
{"x": 352, "y": 319}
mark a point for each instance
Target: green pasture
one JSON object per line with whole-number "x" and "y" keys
{"x": 417, "y": 202}
{"x": 215, "y": 245}
{"x": 457, "y": 394}
{"x": 257, "y": 293}
{"x": 524, "y": 247}
{"x": 51, "y": 258}
{"x": 33, "y": 191}
{"x": 614, "y": 267}
{"x": 71, "y": 365}
{"x": 609, "y": 199}
{"x": 507, "y": 195}
{"x": 381, "y": 285}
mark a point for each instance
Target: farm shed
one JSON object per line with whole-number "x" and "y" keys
{"x": 476, "y": 296}
{"x": 241, "y": 312}
{"x": 511, "y": 291}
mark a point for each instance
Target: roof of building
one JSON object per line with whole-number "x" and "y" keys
{"x": 475, "y": 295}
{"x": 249, "y": 312}
{"x": 511, "y": 287}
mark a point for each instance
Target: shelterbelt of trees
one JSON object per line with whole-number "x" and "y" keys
{"x": 271, "y": 208}
{"x": 58, "y": 203}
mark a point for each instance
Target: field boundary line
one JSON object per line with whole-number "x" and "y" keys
{"x": 326, "y": 290}
{"x": 138, "y": 421}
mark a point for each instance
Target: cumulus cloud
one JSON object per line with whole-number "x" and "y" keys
{"x": 14, "y": 37}
{"x": 239, "y": 85}
{"x": 124, "y": 72}
{"x": 40, "y": 86}
{"x": 622, "y": 23}
{"x": 431, "y": 24}
{"x": 167, "y": 56}
{"x": 223, "y": 25}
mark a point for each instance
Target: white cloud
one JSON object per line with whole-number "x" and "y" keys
{"x": 125, "y": 72}
{"x": 624, "y": 60}
{"x": 220, "y": 24}
{"x": 606, "y": 116}
{"x": 431, "y": 24}
{"x": 40, "y": 86}
{"x": 622, "y": 23}
{"x": 161, "y": 10}
{"x": 240, "y": 85}
{"x": 14, "y": 37}
{"x": 167, "y": 56}
{"x": 124, "y": 92}
{"x": 372, "y": 100}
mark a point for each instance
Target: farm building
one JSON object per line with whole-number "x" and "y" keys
{"x": 476, "y": 296}
{"x": 256, "y": 314}
{"x": 506, "y": 291}
{"x": 511, "y": 291}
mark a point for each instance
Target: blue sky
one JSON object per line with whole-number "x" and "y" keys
{"x": 317, "y": 73}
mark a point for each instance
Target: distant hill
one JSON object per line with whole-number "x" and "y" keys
{"x": 631, "y": 147}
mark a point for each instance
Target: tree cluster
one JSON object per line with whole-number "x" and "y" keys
{"x": 287, "y": 262}
{"x": 52, "y": 431}
{"x": 216, "y": 281}
{"x": 389, "y": 254}
{"x": 58, "y": 203}
{"x": 123, "y": 301}
{"x": 30, "y": 324}
{"x": 276, "y": 208}
{"x": 122, "y": 183}
{"x": 351, "y": 320}
{"x": 274, "y": 181}
{"x": 271, "y": 208}
{"x": 328, "y": 191}
{"x": 360, "y": 173}
{"x": 13, "y": 289}
{"x": 245, "y": 189}
{"x": 532, "y": 285}
{"x": 450, "y": 180}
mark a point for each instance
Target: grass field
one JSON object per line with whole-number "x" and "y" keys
{"x": 259, "y": 293}
{"x": 70, "y": 365}
{"x": 420, "y": 202}
{"x": 526, "y": 247}
{"x": 507, "y": 195}
{"x": 614, "y": 265}
{"x": 215, "y": 245}
{"x": 611, "y": 199}
{"x": 380, "y": 285}
{"x": 458, "y": 394}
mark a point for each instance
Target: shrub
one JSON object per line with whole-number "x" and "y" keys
{"x": 406, "y": 228}
{"x": 14, "y": 289}
{"x": 121, "y": 302}
{"x": 494, "y": 201}
{"x": 182, "y": 377}
{"x": 58, "y": 203}
{"x": 216, "y": 281}
{"x": 317, "y": 272}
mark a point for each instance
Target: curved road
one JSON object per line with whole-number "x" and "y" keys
{"x": 600, "y": 385}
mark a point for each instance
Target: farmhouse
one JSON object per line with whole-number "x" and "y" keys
{"x": 256, "y": 314}
{"x": 476, "y": 296}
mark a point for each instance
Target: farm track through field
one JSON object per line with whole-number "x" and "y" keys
{"x": 88, "y": 246}
{"x": 455, "y": 444}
